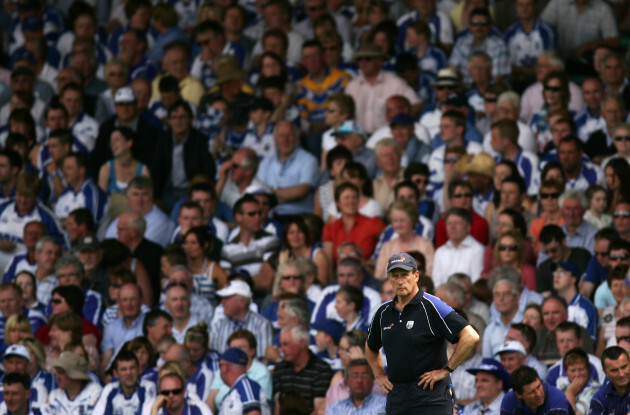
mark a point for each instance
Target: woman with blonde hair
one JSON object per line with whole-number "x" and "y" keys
{"x": 16, "y": 328}
{"x": 509, "y": 250}
{"x": 35, "y": 367}
{"x": 197, "y": 341}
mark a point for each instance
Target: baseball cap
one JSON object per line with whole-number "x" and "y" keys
{"x": 88, "y": 243}
{"x": 331, "y": 327}
{"x": 74, "y": 365}
{"x": 235, "y": 355}
{"x": 457, "y": 99}
{"x": 511, "y": 346}
{"x": 239, "y": 272}
{"x": 17, "y": 350}
{"x": 495, "y": 368}
{"x": 22, "y": 54}
{"x": 236, "y": 287}
{"x": 32, "y": 24}
{"x": 401, "y": 119}
{"x": 401, "y": 260}
{"x": 348, "y": 127}
{"x": 567, "y": 266}
{"x": 125, "y": 95}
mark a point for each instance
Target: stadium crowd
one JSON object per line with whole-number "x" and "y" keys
{"x": 198, "y": 201}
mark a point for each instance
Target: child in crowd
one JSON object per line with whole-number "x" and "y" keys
{"x": 597, "y": 204}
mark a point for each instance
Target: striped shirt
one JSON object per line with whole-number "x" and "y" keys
{"x": 254, "y": 322}
{"x": 244, "y": 396}
{"x": 114, "y": 402}
{"x": 89, "y": 196}
{"x": 373, "y": 404}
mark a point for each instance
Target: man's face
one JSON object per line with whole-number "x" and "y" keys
{"x": 572, "y": 212}
{"x": 239, "y": 173}
{"x": 47, "y": 257}
{"x": 10, "y": 303}
{"x": 567, "y": 340}
{"x": 178, "y": 302}
{"x": 360, "y": 381}
{"x": 71, "y": 171}
{"x": 388, "y": 159}
{"x": 618, "y": 371}
{"x": 554, "y": 250}
{"x": 533, "y": 394}
{"x": 22, "y": 83}
{"x": 286, "y": 140}
{"x": 73, "y": 101}
{"x": 56, "y": 120}
{"x": 69, "y": 275}
{"x": 570, "y": 157}
{"x": 140, "y": 200}
{"x": 129, "y": 301}
{"x": 404, "y": 282}
{"x": 180, "y": 121}
{"x": 497, "y": 142}
{"x": 128, "y": 47}
{"x": 480, "y": 70}
{"x": 507, "y": 110}
{"x": 126, "y": 234}
{"x": 462, "y": 198}
{"x": 274, "y": 17}
{"x": 592, "y": 92}
{"x": 351, "y": 141}
{"x": 516, "y": 335}
{"x": 175, "y": 62}
{"x": 291, "y": 349}
{"x": 562, "y": 280}
{"x": 553, "y": 314}
{"x": 449, "y": 131}
{"x": 172, "y": 385}
{"x": 457, "y": 228}
{"x": 16, "y": 398}
{"x": 408, "y": 194}
{"x": 161, "y": 328}
{"x": 25, "y": 203}
{"x": 618, "y": 257}
{"x": 250, "y": 218}
{"x": 128, "y": 373}
{"x": 621, "y": 217}
{"x": 613, "y": 113}
{"x": 370, "y": 67}
{"x": 613, "y": 70}
{"x": 622, "y": 141}
{"x": 505, "y": 300}
{"x": 488, "y": 386}
{"x": 233, "y": 20}
{"x": 349, "y": 275}
{"x": 479, "y": 26}
{"x": 189, "y": 218}
{"x": 393, "y": 107}
{"x": 32, "y": 234}
{"x": 84, "y": 26}
{"x": 205, "y": 201}
{"x": 126, "y": 112}
{"x": 312, "y": 60}
{"x": 525, "y": 9}
{"x": 510, "y": 195}
{"x": 233, "y": 305}
{"x": 314, "y": 9}
{"x": 57, "y": 150}
{"x": 7, "y": 173}
{"x": 512, "y": 361}
{"x": 402, "y": 134}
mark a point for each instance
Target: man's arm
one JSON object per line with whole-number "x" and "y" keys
{"x": 468, "y": 338}
{"x": 376, "y": 363}
{"x": 288, "y": 194}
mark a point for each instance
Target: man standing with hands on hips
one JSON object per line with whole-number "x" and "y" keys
{"x": 412, "y": 328}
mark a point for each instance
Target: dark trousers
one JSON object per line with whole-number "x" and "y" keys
{"x": 409, "y": 398}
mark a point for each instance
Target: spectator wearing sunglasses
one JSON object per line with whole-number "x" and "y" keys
{"x": 597, "y": 267}
{"x": 618, "y": 254}
{"x": 171, "y": 398}
{"x": 550, "y": 213}
{"x": 621, "y": 140}
{"x": 621, "y": 218}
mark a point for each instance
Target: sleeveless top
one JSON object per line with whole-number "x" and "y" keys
{"x": 115, "y": 186}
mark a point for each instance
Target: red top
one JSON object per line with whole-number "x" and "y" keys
{"x": 86, "y": 326}
{"x": 364, "y": 233}
{"x": 479, "y": 230}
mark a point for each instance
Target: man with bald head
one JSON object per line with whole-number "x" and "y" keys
{"x": 130, "y": 229}
{"x": 590, "y": 120}
{"x": 199, "y": 378}
{"x": 126, "y": 327}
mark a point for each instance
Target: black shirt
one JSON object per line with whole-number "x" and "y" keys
{"x": 414, "y": 339}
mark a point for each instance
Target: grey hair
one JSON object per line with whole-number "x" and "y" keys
{"x": 554, "y": 58}
{"x": 139, "y": 224}
{"x": 573, "y": 194}
{"x": 298, "y": 332}
{"x": 615, "y": 98}
{"x": 507, "y": 273}
{"x": 141, "y": 182}
{"x": 181, "y": 267}
{"x": 481, "y": 54}
{"x": 276, "y": 291}
{"x": 354, "y": 245}
{"x": 46, "y": 239}
{"x": 387, "y": 142}
{"x": 296, "y": 308}
{"x": 608, "y": 56}
{"x": 454, "y": 292}
{"x": 68, "y": 259}
{"x": 512, "y": 98}
{"x": 460, "y": 278}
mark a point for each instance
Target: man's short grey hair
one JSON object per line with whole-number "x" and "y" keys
{"x": 357, "y": 249}
{"x": 554, "y": 59}
{"x": 508, "y": 273}
{"x": 357, "y": 362}
{"x": 481, "y": 54}
{"x": 296, "y": 308}
{"x": 299, "y": 333}
{"x": 68, "y": 259}
{"x": 181, "y": 267}
{"x": 460, "y": 279}
{"x": 615, "y": 98}
{"x": 46, "y": 239}
{"x": 387, "y": 142}
{"x": 573, "y": 194}
{"x": 512, "y": 98}
{"x": 250, "y": 160}
{"x": 602, "y": 63}
{"x": 141, "y": 182}
{"x": 454, "y": 292}
{"x": 138, "y": 223}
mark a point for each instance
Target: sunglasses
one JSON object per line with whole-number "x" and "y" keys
{"x": 171, "y": 392}
{"x": 488, "y": 99}
{"x": 549, "y": 195}
{"x": 254, "y": 213}
{"x": 553, "y": 88}
{"x": 443, "y": 87}
{"x": 512, "y": 248}
{"x": 621, "y": 213}
{"x": 462, "y": 195}
{"x": 622, "y": 138}
{"x": 291, "y": 277}
{"x": 203, "y": 42}
{"x": 451, "y": 160}
{"x": 115, "y": 285}
{"x": 57, "y": 301}
{"x": 479, "y": 23}
{"x": 614, "y": 257}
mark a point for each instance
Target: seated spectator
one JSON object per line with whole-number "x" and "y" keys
{"x": 491, "y": 382}
{"x": 328, "y": 333}
{"x": 351, "y": 136}
{"x": 157, "y": 323}
{"x": 12, "y": 304}
{"x": 198, "y": 243}
{"x": 551, "y": 214}
{"x": 601, "y": 402}
{"x": 199, "y": 378}
{"x": 471, "y": 304}
{"x": 171, "y": 398}
{"x": 244, "y": 392}
{"x": 509, "y": 249}
{"x": 526, "y": 336}
{"x": 612, "y": 313}
{"x": 237, "y": 175}
{"x": 596, "y": 215}
{"x": 581, "y": 310}
{"x": 581, "y": 386}
{"x": 147, "y": 361}
{"x": 548, "y": 398}
{"x": 360, "y": 380}
{"x": 77, "y": 392}
{"x": 618, "y": 256}
{"x": 33, "y": 232}
{"x": 178, "y": 304}
{"x": 356, "y": 174}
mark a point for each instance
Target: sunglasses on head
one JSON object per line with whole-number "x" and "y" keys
{"x": 171, "y": 392}
{"x": 614, "y": 257}
{"x": 512, "y": 248}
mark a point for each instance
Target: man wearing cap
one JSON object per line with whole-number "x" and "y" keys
{"x": 414, "y": 150}
{"x": 373, "y": 86}
{"x": 530, "y": 394}
{"x": 84, "y": 127}
{"x": 417, "y": 378}
{"x": 359, "y": 379}
{"x": 81, "y": 191}
{"x": 245, "y": 395}
{"x": 504, "y": 142}
{"x": 128, "y": 394}
{"x": 491, "y": 382}
{"x": 76, "y": 394}
{"x": 327, "y": 341}
{"x": 148, "y": 138}
{"x": 15, "y": 361}
{"x": 581, "y": 311}
{"x": 480, "y": 37}
{"x": 351, "y": 136}
{"x": 236, "y": 299}
{"x": 512, "y": 355}
{"x": 448, "y": 82}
